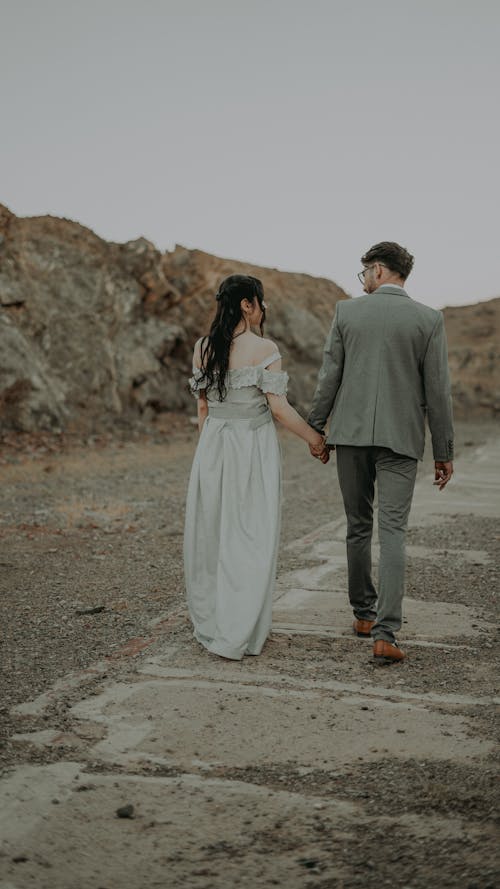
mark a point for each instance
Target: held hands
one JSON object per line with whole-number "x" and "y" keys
{"x": 320, "y": 449}
{"x": 443, "y": 471}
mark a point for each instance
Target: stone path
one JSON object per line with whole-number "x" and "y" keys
{"x": 288, "y": 769}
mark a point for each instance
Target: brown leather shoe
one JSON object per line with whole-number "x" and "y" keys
{"x": 362, "y": 627}
{"x": 387, "y": 652}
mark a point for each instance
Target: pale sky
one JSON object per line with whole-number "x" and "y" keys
{"x": 288, "y": 133}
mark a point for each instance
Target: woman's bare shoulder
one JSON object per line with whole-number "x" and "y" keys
{"x": 265, "y": 348}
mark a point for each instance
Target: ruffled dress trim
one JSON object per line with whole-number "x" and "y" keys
{"x": 275, "y": 382}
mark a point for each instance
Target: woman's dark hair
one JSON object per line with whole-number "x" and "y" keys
{"x": 392, "y": 255}
{"x": 215, "y": 347}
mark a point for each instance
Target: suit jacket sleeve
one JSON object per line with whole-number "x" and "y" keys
{"x": 330, "y": 376}
{"x": 438, "y": 393}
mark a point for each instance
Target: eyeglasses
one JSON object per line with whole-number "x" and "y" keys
{"x": 361, "y": 275}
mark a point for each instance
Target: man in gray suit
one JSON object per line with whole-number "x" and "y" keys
{"x": 385, "y": 368}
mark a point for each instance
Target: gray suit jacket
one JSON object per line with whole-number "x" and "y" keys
{"x": 385, "y": 366}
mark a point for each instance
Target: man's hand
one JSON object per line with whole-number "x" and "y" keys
{"x": 443, "y": 471}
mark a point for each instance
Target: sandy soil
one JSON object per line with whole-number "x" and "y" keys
{"x": 91, "y": 577}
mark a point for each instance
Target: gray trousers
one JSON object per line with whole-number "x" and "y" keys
{"x": 358, "y": 468}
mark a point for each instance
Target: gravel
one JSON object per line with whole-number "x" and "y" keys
{"x": 91, "y": 568}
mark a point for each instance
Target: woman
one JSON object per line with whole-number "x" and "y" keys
{"x": 233, "y": 502}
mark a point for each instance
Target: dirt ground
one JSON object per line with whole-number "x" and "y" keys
{"x": 91, "y": 579}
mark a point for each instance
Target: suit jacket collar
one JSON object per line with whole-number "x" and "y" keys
{"x": 391, "y": 288}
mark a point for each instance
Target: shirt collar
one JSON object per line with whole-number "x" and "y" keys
{"x": 395, "y": 286}
{"x": 392, "y": 286}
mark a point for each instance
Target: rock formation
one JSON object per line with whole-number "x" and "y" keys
{"x": 92, "y": 333}
{"x": 474, "y": 357}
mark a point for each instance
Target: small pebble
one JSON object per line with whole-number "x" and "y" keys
{"x": 95, "y": 609}
{"x": 125, "y": 811}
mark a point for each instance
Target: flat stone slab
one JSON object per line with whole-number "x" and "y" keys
{"x": 196, "y": 723}
{"x": 331, "y": 611}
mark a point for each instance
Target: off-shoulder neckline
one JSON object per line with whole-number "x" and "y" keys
{"x": 269, "y": 360}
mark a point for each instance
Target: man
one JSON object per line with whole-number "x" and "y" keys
{"x": 384, "y": 368}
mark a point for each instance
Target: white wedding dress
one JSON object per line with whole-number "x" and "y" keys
{"x": 233, "y": 513}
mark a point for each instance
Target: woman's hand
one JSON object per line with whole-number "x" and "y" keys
{"x": 319, "y": 449}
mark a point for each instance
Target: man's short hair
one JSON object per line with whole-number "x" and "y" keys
{"x": 392, "y": 255}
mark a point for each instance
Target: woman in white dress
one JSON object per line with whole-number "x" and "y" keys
{"x": 234, "y": 497}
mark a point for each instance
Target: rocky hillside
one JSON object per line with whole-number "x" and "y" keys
{"x": 93, "y": 333}
{"x": 474, "y": 357}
